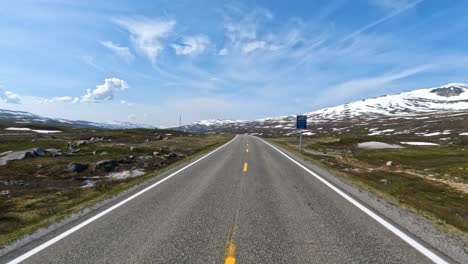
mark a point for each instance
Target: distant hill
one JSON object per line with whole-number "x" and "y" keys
{"x": 20, "y": 118}
{"x": 424, "y": 111}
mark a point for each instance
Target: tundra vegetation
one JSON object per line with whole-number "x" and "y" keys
{"x": 46, "y": 176}
{"x": 431, "y": 179}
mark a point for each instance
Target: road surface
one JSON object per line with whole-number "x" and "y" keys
{"x": 245, "y": 203}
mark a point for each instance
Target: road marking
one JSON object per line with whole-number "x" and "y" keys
{"x": 246, "y": 166}
{"x": 247, "y": 150}
{"x": 230, "y": 254}
{"x": 415, "y": 244}
{"x": 108, "y": 210}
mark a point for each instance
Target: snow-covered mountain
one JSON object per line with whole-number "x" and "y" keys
{"x": 20, "y": 118}
{"x": 418, "y": 111}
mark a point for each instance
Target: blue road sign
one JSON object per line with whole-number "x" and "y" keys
{"x": 301, "y": 122}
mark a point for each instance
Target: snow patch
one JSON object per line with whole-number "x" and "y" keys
{"x": 377, "y": 145}
{"x": 419, "y": 143}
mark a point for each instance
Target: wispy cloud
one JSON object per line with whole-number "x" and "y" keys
{"x": 60, "y": 99}
{"x": 352, "y": 88}
{"x": 9, "y": 97}
{"x": 396, "y": 10}
{"x": 191, "y": 45}
{"x": 146, "y": 34}
{"x": 122, "y": 52}
{"x": 391, "y": 4}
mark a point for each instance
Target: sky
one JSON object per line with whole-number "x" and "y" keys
{"x": 151, "y": 61}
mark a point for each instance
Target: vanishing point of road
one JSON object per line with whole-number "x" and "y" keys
{"x": 245, "y": 202}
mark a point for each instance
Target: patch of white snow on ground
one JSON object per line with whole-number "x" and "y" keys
{"x": 376, "y": 133}
{"x": 419, "y": 143}
{"x": 464, "y": 134}
{"x": 33, "y": 130}
{"x": 377, "y": 145}
{"x": 18, "y": 129}
{"x": 46, "y": 131}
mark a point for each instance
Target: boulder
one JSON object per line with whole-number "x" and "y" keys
{"x": 18, "y": 155}
{"x": 171, "y": 155}
{"x": 39, "y": 151}
{"x": 81, "y": 143}
{"x": 54, "y": 152}
{"x": 76, "y": 167}
{"x": 107, "y": 165}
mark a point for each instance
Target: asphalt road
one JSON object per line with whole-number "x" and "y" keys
{"x": 245, "y": 203}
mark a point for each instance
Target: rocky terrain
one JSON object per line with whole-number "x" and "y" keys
{"x": 45, "y": 175}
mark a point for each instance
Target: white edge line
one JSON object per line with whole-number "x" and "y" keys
{"x": 415, "y": 244}
{"x": 108, "y": 210}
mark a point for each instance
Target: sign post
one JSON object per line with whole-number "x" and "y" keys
{"x": 301, "y": 123}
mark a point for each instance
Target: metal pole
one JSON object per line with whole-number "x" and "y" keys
{"x": 300, "y": 140}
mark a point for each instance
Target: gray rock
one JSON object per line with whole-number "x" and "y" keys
{"x": 107, "y": 165}
{"x": 155, "y": 153}
{"x": 145, "y": 157}
{"x": 19, "y": 155}
{"x": 448, "y": 91}
{"x": 5, "y": 153}
{"x": 81, "y": 143}
{"x": 389, "y": 163}
{"x": 39, "y": 151}
{"x": 54, "y": 152}
{"x": 171, "y": 155}
{"x": 76, "y": 167}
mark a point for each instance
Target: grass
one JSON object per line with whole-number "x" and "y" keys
{"x": 366, "y": 168}
{"x": 53, "y": 194}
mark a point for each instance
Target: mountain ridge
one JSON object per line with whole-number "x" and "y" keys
{"x": 22, "y": 118}
{"x": 430, "y": 104}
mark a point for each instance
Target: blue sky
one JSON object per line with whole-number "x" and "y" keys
{"x": 149, "y": 61}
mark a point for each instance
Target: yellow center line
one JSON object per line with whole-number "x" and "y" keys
{"x": 246, "y": 166}
{"x": 230, "y": 253}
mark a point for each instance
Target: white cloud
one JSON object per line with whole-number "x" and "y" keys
{"x": 61, "y": 99}
{"x": 242, "y": 25}
{"x": 122, "y": 52}
{"x": 251, "y": 46}
{"x": 191, "y": 45}
{"x": 258, "y": 44}
{"x": 9, "y": 97}
{"x": 106, "y": 91}
{"x": 236, "y": 32}
{"x": 146, "y": 34}
{"x": 223, "y": 52}
{"x": 102, "y": 92}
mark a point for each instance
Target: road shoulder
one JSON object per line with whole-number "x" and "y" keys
{"x": 416, "y": 225}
